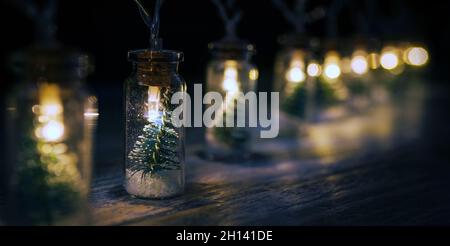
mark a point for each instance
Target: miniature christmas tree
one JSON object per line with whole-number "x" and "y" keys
{"x": 156, "y": 149}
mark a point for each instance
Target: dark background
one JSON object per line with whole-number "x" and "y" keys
{"x": 108, "y": 29}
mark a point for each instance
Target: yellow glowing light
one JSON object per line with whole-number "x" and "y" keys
{"x": 332, "y": 71}
{"x": 50, "y": 113}
{"x": 230, "y": 80}
{"x": 230, "y": 85}
{"x": 231, "y": 72}
{"x": 359, "y": 65}
{"x": 91, "y": 115}
{"x": 253, "y": 74}
{"x": 50, "y": 100}
{"x": 295, "y": 75}
{"x": 153, "y": 99}
{"x": 314, "y": 70}
{"x": 417, "y": 56}
{"x": 373, "y": 60}
{"x": 52, "y": 109}
{"x": 52, "y": 131}
{"x": 345, "y": 65}
{"x": 389, "y": 60}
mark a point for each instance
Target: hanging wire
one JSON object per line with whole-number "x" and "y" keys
{"x": 333, "y": 14}
{"x": 152, "y": 22}
{"x": 361, "y": 20}
{"x": 299, "y": 17}
{"x": 372, "y": 10}
{"x": 230, "y": 20}
{"x": 43, "y": 20}
{"x": 399, "y": 21}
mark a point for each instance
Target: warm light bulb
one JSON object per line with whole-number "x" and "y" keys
{"x": 153, "y": 113}
{"x": 332, "y": 71}
{"x": 313, "y": 70}
{"x": 51, "y": 118}
{"x": 231, "y": 72}
{"x": 295, "y": 75}
{"x": 253, "y": 74}
{"x": 50, "y": 100}
{"x": 52, "y": 131}
{"x": 51, "y": 109}
{"x": 417, "y": 56}
{"x": 373, "y": 60}
{"x": 230, "y": 83}
{"x": 359, "y": 65}
{"x": 389, "y": 60}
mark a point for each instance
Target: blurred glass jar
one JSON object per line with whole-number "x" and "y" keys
{"x": 154, "y": 146}
{"x": 50, "y": 124}
{"x": 308, "y": 87}
{"x": 230, "y": 73}
{"x": 356, "y": 73}
{"x": 291, "y": 79}
{"x": 333, "y": 92}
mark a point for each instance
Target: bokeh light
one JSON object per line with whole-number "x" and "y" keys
{"x": 389, "y": 60}
{"x": 295, "y": 75}
{"x": 332, "y": 71}
{"x": 314, "y": 69}
{"x": 416, "y": 56}
{"x": 359, "y": 65}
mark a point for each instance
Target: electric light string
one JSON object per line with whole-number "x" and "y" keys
{"x": 156, "y": 149}
{"x": 43, "y": 19}
{"x": 333, "y": 14}
{"x": 230, "y": 21}
{"x": 297, "y": 16}
{"x": 152, "y": 23}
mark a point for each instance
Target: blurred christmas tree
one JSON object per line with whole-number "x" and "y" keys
{"x": 49, "y": 185}
{"x": 324, "y": 95}
{"x": 234, "y": 137}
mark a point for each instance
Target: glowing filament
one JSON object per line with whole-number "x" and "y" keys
{"x": 153, "y": 100}
{"x": 230, "y": 80}
{"x": 50, "y": 111}
{"x": 417, "y": 56}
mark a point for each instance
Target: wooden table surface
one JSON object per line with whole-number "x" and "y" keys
{"x": 377, "y": 182}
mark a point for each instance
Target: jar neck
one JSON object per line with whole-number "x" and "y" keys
{"x": 52, "y": 64}
{"x": 156, "y": 68}
{"x": 155, "y": 73}
{"x": 232, "y": 50}
{"x": 155, "y": 63}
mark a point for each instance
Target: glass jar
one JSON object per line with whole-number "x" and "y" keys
{"x": 296, "y": 72}
{"x": 231, "y": 74}
{"x": 50, "y": 124}
{"x": 355, "y": 73}
{"x": 331, "y": 92}
{"x": 154, "y": 161}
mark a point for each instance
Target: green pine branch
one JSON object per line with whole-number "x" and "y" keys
{"x": 157, "y": 148}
